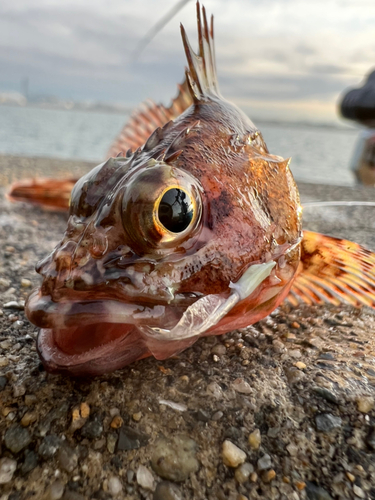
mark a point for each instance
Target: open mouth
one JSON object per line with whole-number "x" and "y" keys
{"x": 97, "y": 336}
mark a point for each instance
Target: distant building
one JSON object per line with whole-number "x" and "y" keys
{"x": 14, "y": 98}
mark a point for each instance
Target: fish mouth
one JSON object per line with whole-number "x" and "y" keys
{"x": 92, "y": 337}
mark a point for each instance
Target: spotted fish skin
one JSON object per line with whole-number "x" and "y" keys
{"x": 119, "y": 273}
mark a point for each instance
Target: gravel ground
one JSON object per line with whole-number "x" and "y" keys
{"x": 284, "y": 409}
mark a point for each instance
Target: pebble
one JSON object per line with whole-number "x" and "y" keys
{"x": 130, "y": 439}
{"x": 202, "y": 416}
{"x": 294, "y": 353}
{"x": 55, "y": 491}
{"x": 17, "y": 438}
{"x": 294, "y": 375}
{"x": 111, "y": 442}
{"x": 253, "y": 477}
{"x": 117, "y": 422}
{"x": 232, "y": 455}
{"x": 49, "y": 446}
{"x": 13, "y": 304}
{"x": 255, "y": 439}
{"x": 167, "y": 491}
{"x": 92, "y": 429}
{"x": 365, "y": 404}
{"x": 145, "y": 478}
{"x": 358, "y": 492}
{"x": 240, "y": 385}
{"x": 67, "y": 458}
{"x": 137, "y": 416}
{"x": 84, "y": 410}
{"x": 3, "y": 361}
{"x": 3, "y": 382}
{"x": 174, "y": 458}
{"x": 326, "y": 394}
{"x": 350, "y": 477}
{"x": 25, "y": 283}
{"x": 217, "y": 416}
{"x": 268, "y": 476}
{"x": 4, "y": 282}
{"x": 264, "y": 462}
{"x": 326, "y": 422}
{"x": 315, "y": 492}
{"x": 300, "y": 365}
{"x": 219, "y": 349}
{"x": 7, "y": 469}
{"x": 292, "y": 449}
{"x": 31, "y": 461}
{"x": 29, "y": 418}
{"x": 114, "y": 486}
{"x": 215, "y": 390}
{"x": 243, "y": 472}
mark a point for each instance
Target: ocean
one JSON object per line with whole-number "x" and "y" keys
{"x": 320, "y": 153}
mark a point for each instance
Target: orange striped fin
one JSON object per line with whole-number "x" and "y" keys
{"x": 334, "y": 271}
{"x": 51, "y": 194}
{"x": 148, "y": 117}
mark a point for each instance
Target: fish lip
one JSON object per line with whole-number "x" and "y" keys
{"x": 93, "y": 362}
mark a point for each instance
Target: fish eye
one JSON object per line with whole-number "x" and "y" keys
{"x": 175, "y": 210}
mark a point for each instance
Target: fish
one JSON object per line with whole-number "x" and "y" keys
{"x": 190, "y": 228}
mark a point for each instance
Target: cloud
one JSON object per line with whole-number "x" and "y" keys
{"x": 270, "y": 50}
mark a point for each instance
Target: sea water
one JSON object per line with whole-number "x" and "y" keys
{"x": 320, "y": 153}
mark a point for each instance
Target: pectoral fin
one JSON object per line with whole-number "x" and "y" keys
{"x": 334, "y": 271}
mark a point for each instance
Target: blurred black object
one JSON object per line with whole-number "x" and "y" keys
{"x": 359, "y": 104}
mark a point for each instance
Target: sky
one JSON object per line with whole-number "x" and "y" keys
{"x": 277, "y": 59}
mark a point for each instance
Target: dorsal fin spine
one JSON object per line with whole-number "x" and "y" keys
{"x": 201, "y": 72}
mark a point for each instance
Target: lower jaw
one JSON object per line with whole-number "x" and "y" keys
{"x": 61, "y": 352}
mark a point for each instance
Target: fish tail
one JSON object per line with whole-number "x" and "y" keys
{"x": 51, "y": 194}
{"x": 335, "y": 271}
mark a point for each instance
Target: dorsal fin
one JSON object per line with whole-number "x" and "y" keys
{"x": 335, "y": 271}
{"x": 147, "y": 117}
{"x": 201, "y": 73}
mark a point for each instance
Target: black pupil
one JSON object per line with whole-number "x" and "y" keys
{"x": 175, "y": 210}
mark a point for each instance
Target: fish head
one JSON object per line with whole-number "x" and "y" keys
{"x": 195, "y": 233}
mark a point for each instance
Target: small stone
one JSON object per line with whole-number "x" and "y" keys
{"x": 292, "y": 449}
{"x": 84, "y": 410}
{"x": 202, "y": 416}
{"x": 130, "y": 439}
{"x": 17, "y": 438}
{"x": 29, "y": 418}
{"x": 350, "y": 476}
{"x": 300, "y": 365}
{"x": 315, "y": 492}
{"x": 3, "y": 382}
{"x": 30, "y": 399}
{"x": 49, "y": 446}
{"x": 365, "y": 404}
{"x": 67, "y": 458}
{"x": 240, "y": 385}
{"x": 111, "y": 442}
{"x": 243, "y": 472}
{"x": 264, "y": 462}
{"x": 114, "y": 486}
{"x": 7, "y": 469}
{"x": 268, "y": 476}
{"x": 326, "y": 422}
{"x": 217, "y": 416}
{"x": 14, "y": 305}
{"x": 215, "y": 390}
{"x": 117, "y": 422}
{"x": 326, "y": 394}
{"x": 219, "y": 349}
{"x": 255, "y": 439}
{"x": 358, "y": 492}
{"x": 300, "y": 485}
{"x": 294, "y": 375}
{"x": 19, "y": 390}
{"x": 25, "y": 283}
{"x": 137, "y": 416}
{"x": 294, "y": 353}
{"x": 3, "y": 361}
{"x": 232, "y": 455}
{"x": 30, "y": 462}
{"x": 253, "y": 477}
{"x": 145, "y": 479}
{"x": 167, "y": 491}
{"x": 295, "y": 325}
{"x": 174, "y": 458}
{"x": 4, "y": 283}
{"x": 92, "y": 429}
{"x": 55, "y": 491}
